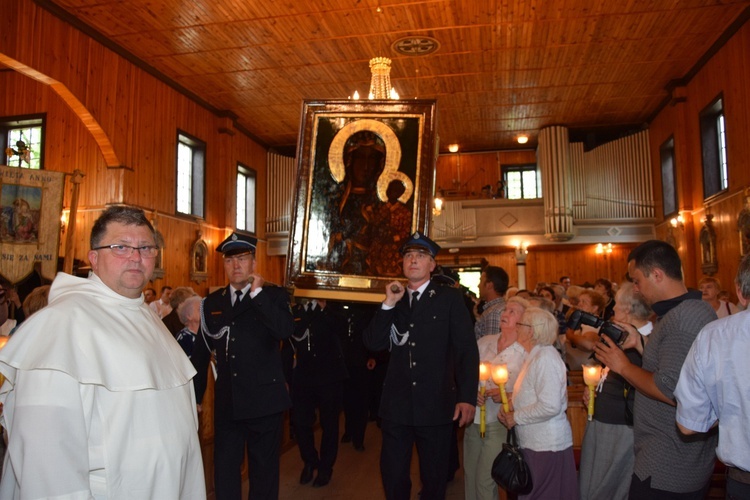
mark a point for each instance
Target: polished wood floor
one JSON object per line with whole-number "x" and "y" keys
{"x": 355, "y": 475}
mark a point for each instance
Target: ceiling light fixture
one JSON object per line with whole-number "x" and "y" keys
{"x": 523, "y": 139}
{"x": 453, "y": 148}
{"x": 380, "y": 82}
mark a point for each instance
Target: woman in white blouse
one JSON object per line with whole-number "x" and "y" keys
{"x": 539, "y": 401}
{"x": 480, "y": 452}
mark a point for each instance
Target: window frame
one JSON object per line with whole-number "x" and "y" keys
{"x": 198, "y": 166}
{"x": 713, "y": 163}
{"x": 670, "y": 199}
{"x": 521, "y": 167}
{"x": 247, "y": 172}
{"x": 8, "y": 123}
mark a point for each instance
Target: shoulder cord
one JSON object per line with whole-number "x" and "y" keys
{"x": 397, "y": 337}
{"x": 302, "y": 337}
{"x": 215, "y": 336}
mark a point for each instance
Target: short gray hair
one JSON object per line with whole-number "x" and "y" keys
{"x": 743, "y": 277}
{"x": 518, "y": 300}
{"x": 635, "y": 303}
{"x": 543, "y": 303}
{"x": 184, "y": 308}
{"x": 544, "y": 327}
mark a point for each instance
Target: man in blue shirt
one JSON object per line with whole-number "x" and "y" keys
{"x": 713, "y": 385}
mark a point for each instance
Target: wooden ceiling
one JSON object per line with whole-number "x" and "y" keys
{"x": 503, "y": 68}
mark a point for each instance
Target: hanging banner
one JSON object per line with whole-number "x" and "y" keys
{"x": 30, "y": 208}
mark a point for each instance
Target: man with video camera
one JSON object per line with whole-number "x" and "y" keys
{"x": 666, "y": 465}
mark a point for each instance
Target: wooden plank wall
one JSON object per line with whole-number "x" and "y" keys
{"x": 461, "y": 175}
{"x": 728, "y": 73}
{"x": 548, "y": 263}
{"x": 141, "y": 116}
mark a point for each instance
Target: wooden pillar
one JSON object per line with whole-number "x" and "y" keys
{"x": 75, "y": 180}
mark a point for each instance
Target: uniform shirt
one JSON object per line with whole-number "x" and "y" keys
{"x": 435, "y": 366}
{"x": 713, "y": 385}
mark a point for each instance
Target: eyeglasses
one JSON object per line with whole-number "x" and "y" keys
{"x": 518, "y": 323}
{"x": 124, "y": 251}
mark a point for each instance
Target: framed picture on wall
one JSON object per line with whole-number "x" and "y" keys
{"x": 199, "y": 259}
{"x": 365, "y": 183}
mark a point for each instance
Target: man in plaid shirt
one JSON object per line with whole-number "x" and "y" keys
{"x": 492, "y": 287}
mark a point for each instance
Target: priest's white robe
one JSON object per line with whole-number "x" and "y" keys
{"x": 98, "y": 402}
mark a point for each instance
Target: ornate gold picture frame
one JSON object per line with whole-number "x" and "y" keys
{"x": 365, "y": 183}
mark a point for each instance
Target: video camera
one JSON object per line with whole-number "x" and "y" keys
{"x": 576, "y": 318}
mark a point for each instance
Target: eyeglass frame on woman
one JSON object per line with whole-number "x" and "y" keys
{"x": 146, "y": 251}
{"x": 518, "y": 323}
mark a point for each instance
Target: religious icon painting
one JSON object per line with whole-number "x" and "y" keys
{"x": 365, "y": 183}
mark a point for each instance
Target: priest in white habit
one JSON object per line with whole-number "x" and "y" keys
{"x": 98, "y": 399}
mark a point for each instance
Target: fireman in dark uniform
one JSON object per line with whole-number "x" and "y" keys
{"x": 243, "y": 324}
{"x": 317, "y": 384}
{"x": 432, "y": 375}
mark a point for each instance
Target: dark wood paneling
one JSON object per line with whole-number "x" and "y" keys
{"x": 725, "y": 73}
{"x": 548, "y": 263}
{"x": 464, "y": 175}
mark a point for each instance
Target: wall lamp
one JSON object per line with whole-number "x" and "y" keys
{"x": 677, "y": 222}
{"x": 522, "y": 249}
{"x": 437, "y": 208}
{"x": 601, "y": 248}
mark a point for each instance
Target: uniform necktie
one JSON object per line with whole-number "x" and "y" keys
{"x": 414, "y": 298}
{"x": 238, "y": 297}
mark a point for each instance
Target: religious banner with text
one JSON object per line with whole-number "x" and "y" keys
{"x": 30, "y": 208}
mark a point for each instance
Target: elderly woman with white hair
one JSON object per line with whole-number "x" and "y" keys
{"x": 479, "y": 452}
{"x": 539, "y": 401}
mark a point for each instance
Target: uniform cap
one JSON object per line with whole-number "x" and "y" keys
{"x": 237, "y": 243}
{"x": 420, "y": 243}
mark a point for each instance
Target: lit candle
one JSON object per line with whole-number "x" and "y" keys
{"x": 484, "y": 376}
{"x": 591, "y": 376}
{"x": 500, "y": 377}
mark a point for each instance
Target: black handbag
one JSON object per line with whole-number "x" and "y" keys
{"x": 509, "y": 470}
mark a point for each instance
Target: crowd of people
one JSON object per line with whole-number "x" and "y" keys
{"x": 84, "y": 410}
